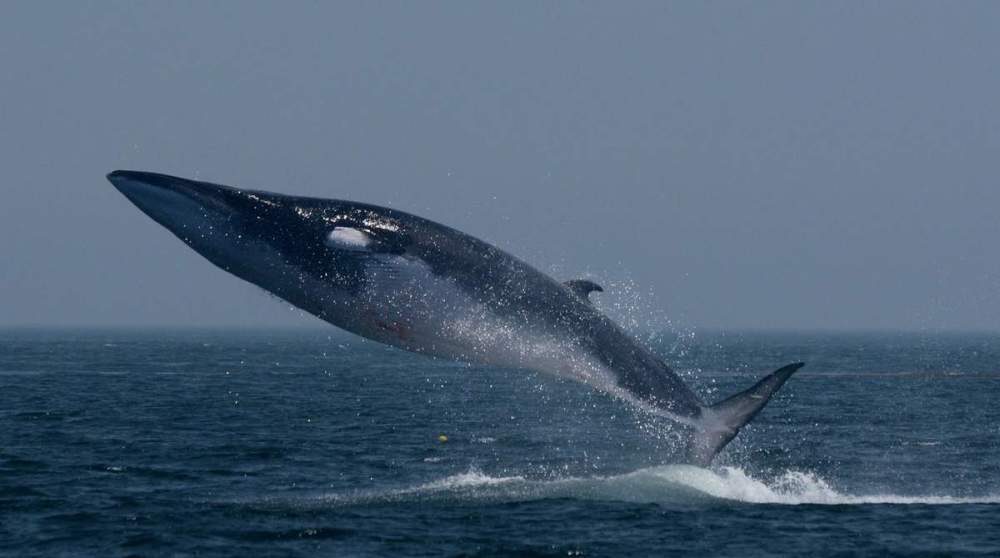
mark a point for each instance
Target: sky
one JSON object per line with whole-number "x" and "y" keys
{"x": 771, "y": 165}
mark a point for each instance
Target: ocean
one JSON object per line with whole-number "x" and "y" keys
{"x": 313, "y": 443}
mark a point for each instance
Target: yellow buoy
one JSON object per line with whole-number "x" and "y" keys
{"x": 442, "y": 438}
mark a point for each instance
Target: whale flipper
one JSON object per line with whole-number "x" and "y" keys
{"x": 582, "y": 288}
{"x": 724, "y": 419}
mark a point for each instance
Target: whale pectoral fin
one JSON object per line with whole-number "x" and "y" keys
{"x": 725, "y": 419}
{"x": 582, "y": 288}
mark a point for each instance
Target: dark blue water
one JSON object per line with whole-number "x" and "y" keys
{"x": 304, "y": 443}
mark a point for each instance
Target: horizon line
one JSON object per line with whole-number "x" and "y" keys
{"x": 694, "y": 329}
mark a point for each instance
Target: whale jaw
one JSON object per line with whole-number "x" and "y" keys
{"x": 185, "y": 207}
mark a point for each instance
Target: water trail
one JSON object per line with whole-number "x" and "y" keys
{"x": 670, "y": 484}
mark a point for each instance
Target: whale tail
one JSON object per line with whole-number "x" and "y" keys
{"x": 723, "y": 420}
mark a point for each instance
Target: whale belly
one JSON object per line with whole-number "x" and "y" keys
{"x": 405, "y": 304}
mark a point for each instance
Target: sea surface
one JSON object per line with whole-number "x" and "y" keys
{"x": 314, "y": 443}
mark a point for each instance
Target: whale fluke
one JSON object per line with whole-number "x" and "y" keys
{"x": 723, "y": 420}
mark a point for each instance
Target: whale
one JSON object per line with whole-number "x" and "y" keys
{"x": 409, "y": 282}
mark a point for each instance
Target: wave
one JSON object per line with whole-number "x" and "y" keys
{"x": 669, "y": 484}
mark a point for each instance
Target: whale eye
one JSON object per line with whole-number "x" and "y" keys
{"x": 346, "y": 238}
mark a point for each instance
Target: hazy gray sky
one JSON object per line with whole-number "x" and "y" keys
{"x": 772, "y": 165}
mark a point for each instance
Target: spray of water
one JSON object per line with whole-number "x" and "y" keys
{"x": 666, "y": 485}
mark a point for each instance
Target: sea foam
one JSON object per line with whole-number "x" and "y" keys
{"x": 668, "y": 484}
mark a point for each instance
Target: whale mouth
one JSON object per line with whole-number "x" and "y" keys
{"x": 150, "y": 188}
{"x": 178, "y": 204}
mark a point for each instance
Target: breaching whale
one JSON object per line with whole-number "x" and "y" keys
{"x": 418, "y": 285}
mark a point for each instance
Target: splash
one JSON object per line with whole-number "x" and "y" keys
{"x": 789, "y": 488}
{"x": 668, "y": 485}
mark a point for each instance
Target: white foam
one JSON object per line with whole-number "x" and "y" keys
{"x": 665, "y": 485}
{"x": 469, "y": 479}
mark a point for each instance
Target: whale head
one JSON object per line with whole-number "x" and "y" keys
{"x": 308, "y": 251}
{"x": 221, "y": 223}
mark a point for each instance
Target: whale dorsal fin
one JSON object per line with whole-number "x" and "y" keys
{"x": 582, "y": 288}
